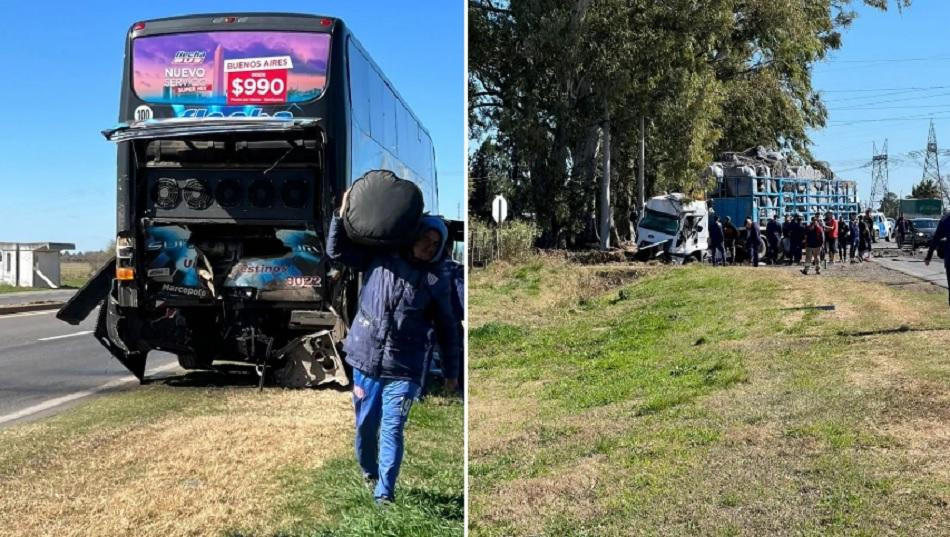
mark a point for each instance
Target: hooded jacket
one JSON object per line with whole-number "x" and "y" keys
{"x": 400, "y": 300}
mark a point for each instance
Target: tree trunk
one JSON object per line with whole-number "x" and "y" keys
{"x": 605, "y": 189}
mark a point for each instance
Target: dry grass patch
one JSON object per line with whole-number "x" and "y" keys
{"x": 177, "y": 475}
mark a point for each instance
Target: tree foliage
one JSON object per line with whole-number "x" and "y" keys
{"x": 708, "y": 75}
{"x": 926, "y": 189}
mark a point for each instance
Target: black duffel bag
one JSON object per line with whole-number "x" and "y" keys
{"x": 383, "y": 210}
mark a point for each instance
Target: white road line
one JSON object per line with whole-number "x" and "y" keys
{"x": 52, "y": 403}
{"x": 82, "y": 333}
{"x": 26, "y": 314}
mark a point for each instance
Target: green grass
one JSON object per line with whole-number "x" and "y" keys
{"x": 7, "y": 288}
{"x": 429, "y": 495}
{"x": 115, "y": 442}
{"x": 695, "y": 405}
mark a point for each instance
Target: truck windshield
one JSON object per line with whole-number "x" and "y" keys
{"x": 662, "y": 222}
{"x": 230, "y": 68}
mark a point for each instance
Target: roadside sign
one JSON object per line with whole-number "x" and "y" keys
{"x": 499, "y": 209}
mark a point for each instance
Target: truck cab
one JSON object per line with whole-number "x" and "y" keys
{"x": 673, "y": 227}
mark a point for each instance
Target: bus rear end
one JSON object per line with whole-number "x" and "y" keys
{"x": 226, "y": 179}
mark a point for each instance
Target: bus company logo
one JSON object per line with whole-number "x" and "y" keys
{"x": 187, "y": 291}
{"x": 261, "y": 269}
{"x": 244, "y": 112}
{"x": 190, "y": 57}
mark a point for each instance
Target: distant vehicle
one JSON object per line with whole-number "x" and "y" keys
{"x": 922, "y": 231}
{"x": 912, "y": 208}
{"x": 882, "y": 227}
{"x": 673, "y": 227}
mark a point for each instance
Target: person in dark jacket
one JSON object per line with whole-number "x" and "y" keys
{"x": 717, "y": 241}
{"x": 814, "y": 239}
{"x": 901, "y": 230}
{"x": 752, "y": 240}
{"x": 773, "y": 235}
{"x": 855, "y": 232}
{"x": 941, "y": 234}
{"x": 865, "y": 238}
{"x": 404, "y": 293}
{"x": 787, "y": 239}
{"x": 844, "y": 238}
{"x": 730, "y": 234}
{"x": 797, "y": 238}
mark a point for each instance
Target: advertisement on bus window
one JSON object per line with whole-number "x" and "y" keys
{"x": 230, "y": 68}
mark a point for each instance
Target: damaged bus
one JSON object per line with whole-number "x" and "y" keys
{"x": 237, "y": 136}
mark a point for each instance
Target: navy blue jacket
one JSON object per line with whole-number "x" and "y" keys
{"x": 754, "y": 236}
{"x": 942, "y": 232}
{"x": 773, "y": 231}
{"x": 399, "y": 302}
{"x": 715, "y": 233}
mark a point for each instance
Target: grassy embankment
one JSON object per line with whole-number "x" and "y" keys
{"x": 179, "y": 458}
{"x": 697, "y": 401}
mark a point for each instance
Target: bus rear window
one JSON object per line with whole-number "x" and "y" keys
{"x": 230, "y": 68}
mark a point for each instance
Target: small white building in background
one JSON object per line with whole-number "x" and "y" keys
{"x": 31, "y": 264}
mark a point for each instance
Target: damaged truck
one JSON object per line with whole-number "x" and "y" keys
{"x": 237, "y": 136}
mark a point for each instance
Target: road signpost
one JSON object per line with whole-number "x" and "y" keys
{"x": 499, "y": 212}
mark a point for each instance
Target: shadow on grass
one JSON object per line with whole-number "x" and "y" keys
{"x": 885, "y": 331}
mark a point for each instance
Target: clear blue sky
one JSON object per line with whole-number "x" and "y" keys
{"x": 887, "y": 56}
{"x": 61, "y": 80}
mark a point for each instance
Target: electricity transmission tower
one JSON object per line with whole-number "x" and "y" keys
{"x": 879, "y": 174}
{"x": 932, "y": 164}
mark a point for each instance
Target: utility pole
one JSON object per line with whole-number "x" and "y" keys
{"x": 879, "y": 177}
{"x": 932, "y": 165}
{"x": 643, "y": 162}
{"x": 605, "y": 188}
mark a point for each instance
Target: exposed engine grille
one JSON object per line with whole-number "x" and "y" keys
{"x": 196, "y": 194}
{"x": 166, "y": 194}
{"x": 261, "y": 194}
{"x": 229, "y": 193}
{"x": 294, "y": 193}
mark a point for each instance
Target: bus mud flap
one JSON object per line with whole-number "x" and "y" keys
{"x": 107, "y": 332}
{"x": 311, "y": 361}
{"x": 89, "y": 296}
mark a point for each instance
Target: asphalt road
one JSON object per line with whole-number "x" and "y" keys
{"x": 25, "y": 297}
{"x": 914, "y": 266}
{"x": 46, "y": 363}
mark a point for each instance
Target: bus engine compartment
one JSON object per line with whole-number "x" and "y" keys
{"x": 227, "y": 259}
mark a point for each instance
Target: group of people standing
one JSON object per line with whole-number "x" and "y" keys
{"x": 820, "y": 239}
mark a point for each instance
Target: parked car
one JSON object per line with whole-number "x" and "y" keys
{"x": 922, "y": 231}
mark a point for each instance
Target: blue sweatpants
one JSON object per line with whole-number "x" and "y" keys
{"x": 382, "y": 406}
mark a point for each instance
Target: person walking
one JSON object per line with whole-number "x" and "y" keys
{"x": 814, "y": 239}
{"x": 716, "y": 241}
{"x": 901, "y": 231}
{"x": 844, "y": 238}
{"x": 730, "y": 234}
{"x": 866, "y": 238}
{"x": 403, "y": 294}
{"x": 773, "y": 235}
{"x": 831, "y": 236}
{"x": 752, "y": 240}
{"x": 854, "y": 230}
{"x": 941, "y": 234}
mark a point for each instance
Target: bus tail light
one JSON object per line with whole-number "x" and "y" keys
{"x": 138, "y": 26}
{"x": 124, "y": 273}
{"x": 124, "y": 249}
{"x": 326, "y": 22}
